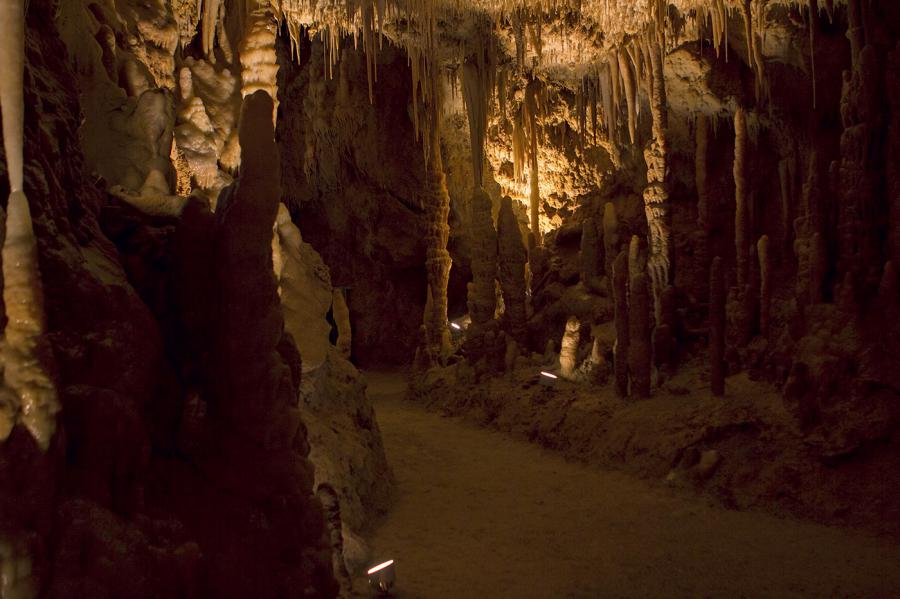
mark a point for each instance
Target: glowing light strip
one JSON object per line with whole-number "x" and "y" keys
{"x": 380, "y": 566}
{"x": 455, "y": 326}
{"x": 549, "y": 375}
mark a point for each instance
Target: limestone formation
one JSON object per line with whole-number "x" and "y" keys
{"x": 437, "y": 261}
{"x": 639, "y": 350}
{"x": 27, "y": 358}
{"x": 568, "y": 352}
{"x": 620, "y": 294}
{"x": 482, "y": 302}
{"x": 610, "y": 240}
{"x": 741, "y": 222}
{"x": 591, "y": 254}
{"x": 717, "y": 327}
{"x": 765, "y": 284}
{"x": 512, "y": 259}
{"x": 656, "y": 194}
{"x": 341, "y": 314}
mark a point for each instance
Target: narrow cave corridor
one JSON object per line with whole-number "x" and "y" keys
{"x": 445, "y": 298}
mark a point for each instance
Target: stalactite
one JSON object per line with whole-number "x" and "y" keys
{"x": 512, "y": 258}
{"x": 27, "y": 359}
{"x": 591, "y": 254}
{"x": 628, "y": 79}
{"x": 259, "y": 64}
{"x": 639, "y": 352}
{"x": 531, "y": 123}
{"x": 482, "y": 299}
{"x": 717, "y": 326}
{"x": 615, "y": 79}
{"x": 620, "y": 296}
{"x": 741, "y": 233}
{"x": 568, "y": 352}
{"x": 341, "y": 314}
{"x": 477, "y": 87}
{"x": 656, "y": 195}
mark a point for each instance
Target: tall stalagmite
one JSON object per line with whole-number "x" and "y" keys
{"x": 859, "y": 181}
{"x": 639, "y": 352}
{"x": 741, "y": 233}
{"x": 513, "y": 257}
{"x": 717, "y": 326}
{"x": 591, "y": 254}
{"x": 27, "y": 358}
{"x": 763, "y": 253}
{"x": 437, "y": 258}
{"x": 483, "y": 297}
{"x": 620, "y": 295}
{"x": 656, "y": 194}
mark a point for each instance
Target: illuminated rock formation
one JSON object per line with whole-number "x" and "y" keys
{"x": 568, "y": 352}
{"x": 28, "y": 363}
{"x": 512, "y": 259}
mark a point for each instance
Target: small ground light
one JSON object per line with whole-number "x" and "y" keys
{"x": 456, "y": 326}
{"x": 381, "y": 577}
{"x": 548, "y": 379}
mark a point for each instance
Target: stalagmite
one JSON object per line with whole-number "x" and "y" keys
{"x": 741, "y": 233}
{"x": 704, "y": 223}
{"x": 610, "y": 240}
{"x": 27, "y": 357}
{"x": 664, "y": 346}
{"x": 620, "y": 296}
{"x": 818, "y": 268}
{"x": 656, "y": 195}
{"x": 784, "y": 177}
{"x": 437, "y": 258}
{"x": 860, "y": 216}
{"x": 639, "y": 352}
{"x": 765, "y": 283}
{"x": 482, "y": 300}
{"x": 591, "y": 254}
{"x": 568, "y": 352}
{"x": 512, "y": 258}
{"x": 717, "y": 327}
{"x": 341, "y": 314}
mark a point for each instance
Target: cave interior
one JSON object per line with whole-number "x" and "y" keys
{"x": 536, "y": 298}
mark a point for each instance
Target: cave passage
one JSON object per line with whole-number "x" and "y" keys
{"x": 480, "y": 514}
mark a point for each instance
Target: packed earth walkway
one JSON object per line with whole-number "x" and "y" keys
{"x": 479, "y": 514}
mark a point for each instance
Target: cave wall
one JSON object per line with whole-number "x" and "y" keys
{"x": 353, "y": 179}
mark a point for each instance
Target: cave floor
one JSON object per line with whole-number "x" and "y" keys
{"x": 479, "y": 514}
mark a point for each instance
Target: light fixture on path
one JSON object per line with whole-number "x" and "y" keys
{"x": 381, "y": 577}
{"x": 548, "y": 379}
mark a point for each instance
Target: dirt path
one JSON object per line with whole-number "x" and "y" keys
{"x": 480, "y": 515}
